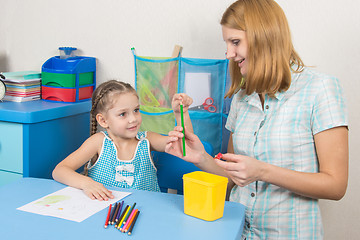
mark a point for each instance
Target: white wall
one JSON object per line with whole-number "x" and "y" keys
{"x": 326, "y": 34}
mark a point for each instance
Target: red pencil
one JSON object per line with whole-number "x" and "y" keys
{"x": 107, "y": 218}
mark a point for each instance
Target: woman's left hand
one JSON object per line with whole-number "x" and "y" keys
{"x": 243, "y": 170}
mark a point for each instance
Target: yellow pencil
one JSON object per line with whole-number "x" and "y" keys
{"x": 122, "y": 219}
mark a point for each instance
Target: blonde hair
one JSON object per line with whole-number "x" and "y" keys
{"x": 102, "y": 101}
{"x": 270, "y": 55}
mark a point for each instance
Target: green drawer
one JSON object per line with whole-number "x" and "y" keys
{"x": 66, "y": 80}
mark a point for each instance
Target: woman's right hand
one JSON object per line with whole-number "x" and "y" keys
{"x": 193, "y": 146}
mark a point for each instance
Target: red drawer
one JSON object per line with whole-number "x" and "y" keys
{"x": 65, "y": 94}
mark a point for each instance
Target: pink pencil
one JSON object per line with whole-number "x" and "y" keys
{"x": 132, "y": 215}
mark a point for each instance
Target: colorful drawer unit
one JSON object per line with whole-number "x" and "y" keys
{"x": 37, "y": 135}
{"x": 68, "y": 80}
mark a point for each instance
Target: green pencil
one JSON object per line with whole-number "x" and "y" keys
{"x": 183, "y": 126}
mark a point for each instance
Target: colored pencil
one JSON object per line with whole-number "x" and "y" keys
{"x": 115, "y": 213}
{"x": 133, "y": 222}
{"x": 183, "y": 126}
{"x": 119, "y": 212}
{"x": 107, "y": 217}
{"x": 123, "y": 217}
{"x": 128, "y": 220}
{"x": 218, "y": 156}
{"x": 128, "y": 224}
{"x": 127, "y": 216}
{"x": 112, "y": 212}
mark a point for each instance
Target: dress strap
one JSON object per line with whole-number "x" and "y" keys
{"x": 141, "y": 135}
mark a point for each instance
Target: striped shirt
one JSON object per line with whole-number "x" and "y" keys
{"x": 282, "y": 134}
{"x": 137, "y": 173}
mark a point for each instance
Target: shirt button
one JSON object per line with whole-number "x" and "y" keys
{"x": 254, "y": 133}
{"x": 252, "y": 194}
{"x": 262, "y": 123}
{"x": 267, "y": 106}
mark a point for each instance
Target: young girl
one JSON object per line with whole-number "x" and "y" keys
{"x": 120, "y": 155}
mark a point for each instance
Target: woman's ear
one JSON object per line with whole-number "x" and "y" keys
{"x": 101, "y": 120}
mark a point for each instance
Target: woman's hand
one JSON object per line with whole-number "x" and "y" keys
{"x": 96, "y": 190}
{"x": 193, "y": 146}
{"x": 242, "y": 170}
{"x": 181, "y": 98}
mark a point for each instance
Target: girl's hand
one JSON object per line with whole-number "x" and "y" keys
{"x": 243, "y": 170}
{"x": 193, "y": 146}
{"x": 181, "y": 98}
{"x": 96, "y": 190}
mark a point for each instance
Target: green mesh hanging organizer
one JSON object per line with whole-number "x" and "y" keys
{"x": 158, "y": 79}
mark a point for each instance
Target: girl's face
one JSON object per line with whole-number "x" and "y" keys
{"x": 123, "y": 120}
{"x": 236, "y": 44}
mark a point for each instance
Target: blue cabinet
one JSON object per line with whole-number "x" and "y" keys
{"x": 36, "y": 135}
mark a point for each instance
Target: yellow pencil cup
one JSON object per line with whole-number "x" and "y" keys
{"x": 204, "y": 195}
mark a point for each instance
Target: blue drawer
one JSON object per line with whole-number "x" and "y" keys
{"x": 11, "y": 147}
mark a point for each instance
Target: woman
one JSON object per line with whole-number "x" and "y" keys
{"x": 289, "y": 139}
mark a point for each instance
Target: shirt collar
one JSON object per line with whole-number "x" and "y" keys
{"x": 279, "y": 95}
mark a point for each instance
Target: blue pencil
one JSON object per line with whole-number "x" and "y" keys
{"x": 116, "y": 212}
{"x": 112, "y": 213}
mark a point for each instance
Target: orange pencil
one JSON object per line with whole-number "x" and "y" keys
{"x": 107, "y": 218}
{"x": 127, "y": 226}
{"x": 127, "y": 217}
{"x": 122, "y": 229}
{"x": 133, "y": 223}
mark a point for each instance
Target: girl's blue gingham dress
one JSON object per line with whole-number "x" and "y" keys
{"x": 137, "y": 173}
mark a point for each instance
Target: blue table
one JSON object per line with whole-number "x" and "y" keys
{"x": 161, "y": 217}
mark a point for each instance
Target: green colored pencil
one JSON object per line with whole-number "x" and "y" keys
{"x": 183, "y": 126}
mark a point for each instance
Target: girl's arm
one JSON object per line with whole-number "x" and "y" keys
{"x": 65, "y": 171}
{"x": 195, "y": 151}
{"x": 157, "y": 141}
{"x": 186, "y": 101}
{"x": 329, "y": 183}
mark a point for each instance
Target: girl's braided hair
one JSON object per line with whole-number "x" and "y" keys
{"x": 102, "y": 101}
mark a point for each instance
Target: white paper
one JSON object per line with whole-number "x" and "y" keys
{"x": 197, "y": 86}
{"x": 70, "y": 203}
